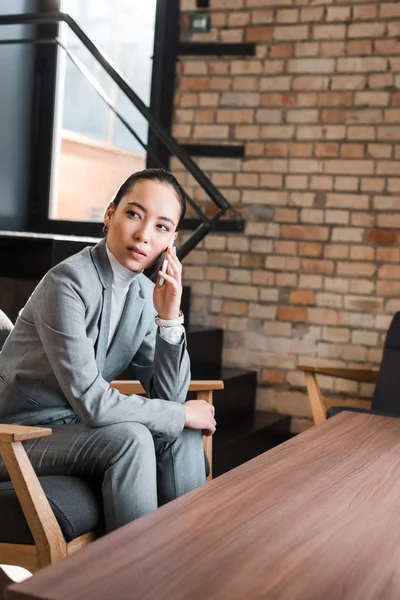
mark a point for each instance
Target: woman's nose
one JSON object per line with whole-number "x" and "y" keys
{"x": 142, "y": 233}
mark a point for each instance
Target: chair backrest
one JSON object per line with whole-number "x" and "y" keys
{"x": 386, "y": 397}
{"x": 5, "y": 328}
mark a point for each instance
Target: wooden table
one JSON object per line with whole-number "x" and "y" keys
{"x": 317, "y": 518}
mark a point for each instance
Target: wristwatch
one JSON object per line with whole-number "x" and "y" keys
{"x": 170, "y": 322}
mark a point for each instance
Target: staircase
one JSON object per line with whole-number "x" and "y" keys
{"x": 242, "y": 431}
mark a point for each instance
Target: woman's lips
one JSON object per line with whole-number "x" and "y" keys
{"x": 136, "y": 253}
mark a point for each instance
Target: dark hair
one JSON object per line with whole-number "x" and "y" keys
{"x": 159, "y": 175}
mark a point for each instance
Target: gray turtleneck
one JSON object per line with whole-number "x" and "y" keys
{"x": 122, "y": 279}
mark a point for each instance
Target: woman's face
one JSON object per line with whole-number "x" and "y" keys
{"x": 142, "y": 225}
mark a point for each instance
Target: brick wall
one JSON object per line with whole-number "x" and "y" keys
{"x": 316, "y": 274}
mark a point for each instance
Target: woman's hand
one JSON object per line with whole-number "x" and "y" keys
{"x": 167, "y": 297}
{"x": 200, "y": 415}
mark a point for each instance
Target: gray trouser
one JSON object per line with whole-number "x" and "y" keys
{"x": 138, "y": 472}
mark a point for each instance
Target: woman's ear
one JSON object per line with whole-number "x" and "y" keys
{"x": 108, "y": 214}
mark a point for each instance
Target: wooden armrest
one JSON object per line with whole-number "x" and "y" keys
{"x": 134, "y": 387}
{"x": 19, "y": 433}
{"x": 360, "y": 375}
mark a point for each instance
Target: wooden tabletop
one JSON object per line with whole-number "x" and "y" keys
{"x": 316, "y": 518}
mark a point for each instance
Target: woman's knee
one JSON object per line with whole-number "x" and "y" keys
{"x": 130, "y": 435}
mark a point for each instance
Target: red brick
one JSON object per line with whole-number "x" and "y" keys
{"x": 287, "y": 16}
{"x": 359, "y": 48}
{"x": 259, "y": 34}
{"x": 309, "y": 83}
{"x": 388, "y": 254}
{"x": 371, "y": 98}
{"x": 348, "y": 82}
{"x": 361, "y": 64}
{"x": 365, "y": 12}
{"x": 390, "y": 46}
{"x": 286, "y": 215}
{"x": 277, "y": 148}
{"x": 312, "y": 65}
{"x": 218, "y": 67}
{"x": 307, "y": 49}
{"x": 389, "y": 272}
{"x": 338, "y": 13}
{"x": 390, "y": 10}
{"x": 301, "y": 150}
{"x": 310, "y": 249}
{"x": 330, "y": 149}
{"x": 292, "y": 313}
{"x": 362, "y": 253}
{"x": 262, "y": 16}
{"x": 321, "y": 182}
{"x": 356, "y": 269}
{"x": 194, "y": 84}
{"x": 352, "y": 151}
{"x": 335, "y": 99}
{"x": 381, "y": 80}
{"x": 359, "y": 219}
{"x": 245, "y": 83}
{"x": 388, "y": 288}
{"x": 296, "y": 182}
{"x": 281, "y": 247}
{"x": 322, "y": 316}
{"x": 312, "y": 14}
{"x": 381, "y": 236}
{"x": 302, "y": 297}
{"x": 237, "y": 19}
{"x": 273, "y": 376}
{"x": 230, "y": 307}
{"x": 333, "y": 49}
{"x": 329, "y": 32}
{"x": 372, "y": 184}
{"x": 366, "y": 30}
{"x": 282, "y": 51}
{"x": 354, "y": 167}
{"x": 289, "y": 33}
{"x": 304, "y": 232}
{"x": 346, "y": 184}
{"x": 324, "y": 267}
{"x": 361, "y": 132}
{"x": 379, "y": 150}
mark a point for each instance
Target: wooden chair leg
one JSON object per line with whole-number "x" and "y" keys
{"x": 46, "y": 532}
{"x": 207, "y": 441}
{"x": 316, "y": 401}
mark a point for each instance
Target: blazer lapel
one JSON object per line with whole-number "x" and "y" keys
{"x": 121, "y": 347}
{"x": 104, "y": 271}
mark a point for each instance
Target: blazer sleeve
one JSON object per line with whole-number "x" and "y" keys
{"x": 162, "y": 368}
{"x": 60, "y": 322}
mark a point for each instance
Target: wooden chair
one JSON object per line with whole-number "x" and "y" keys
{"x": 319, "y": 405}
{"x": 37, "y": 514}
{"x": 385, "y": 400}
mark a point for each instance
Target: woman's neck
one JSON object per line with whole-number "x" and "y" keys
{"x": 122, "y": 277}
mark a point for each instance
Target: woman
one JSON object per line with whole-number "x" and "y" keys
{"x": 90, "y": 318}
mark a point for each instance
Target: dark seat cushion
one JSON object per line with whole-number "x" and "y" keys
{"x": 76, "y": 505}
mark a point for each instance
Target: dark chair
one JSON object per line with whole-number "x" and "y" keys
{"x": 385, "y": 400}
{"x": 43, "y": 519}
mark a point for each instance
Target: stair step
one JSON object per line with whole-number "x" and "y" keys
{"x": 205, "y": 347}
{"x": 237, "y": 401}
{"x": 239, "y": 442}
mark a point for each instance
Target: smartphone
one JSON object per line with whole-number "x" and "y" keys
{"x": 165, "y": 263}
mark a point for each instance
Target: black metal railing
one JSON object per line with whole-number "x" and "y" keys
{"x": 207, "y": 223}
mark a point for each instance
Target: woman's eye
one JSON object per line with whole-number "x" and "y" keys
{"x": 162, "y": 227}
{"x": 132, "y": 213}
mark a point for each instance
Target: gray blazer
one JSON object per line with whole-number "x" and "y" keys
{"x": 55, "y": 366}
